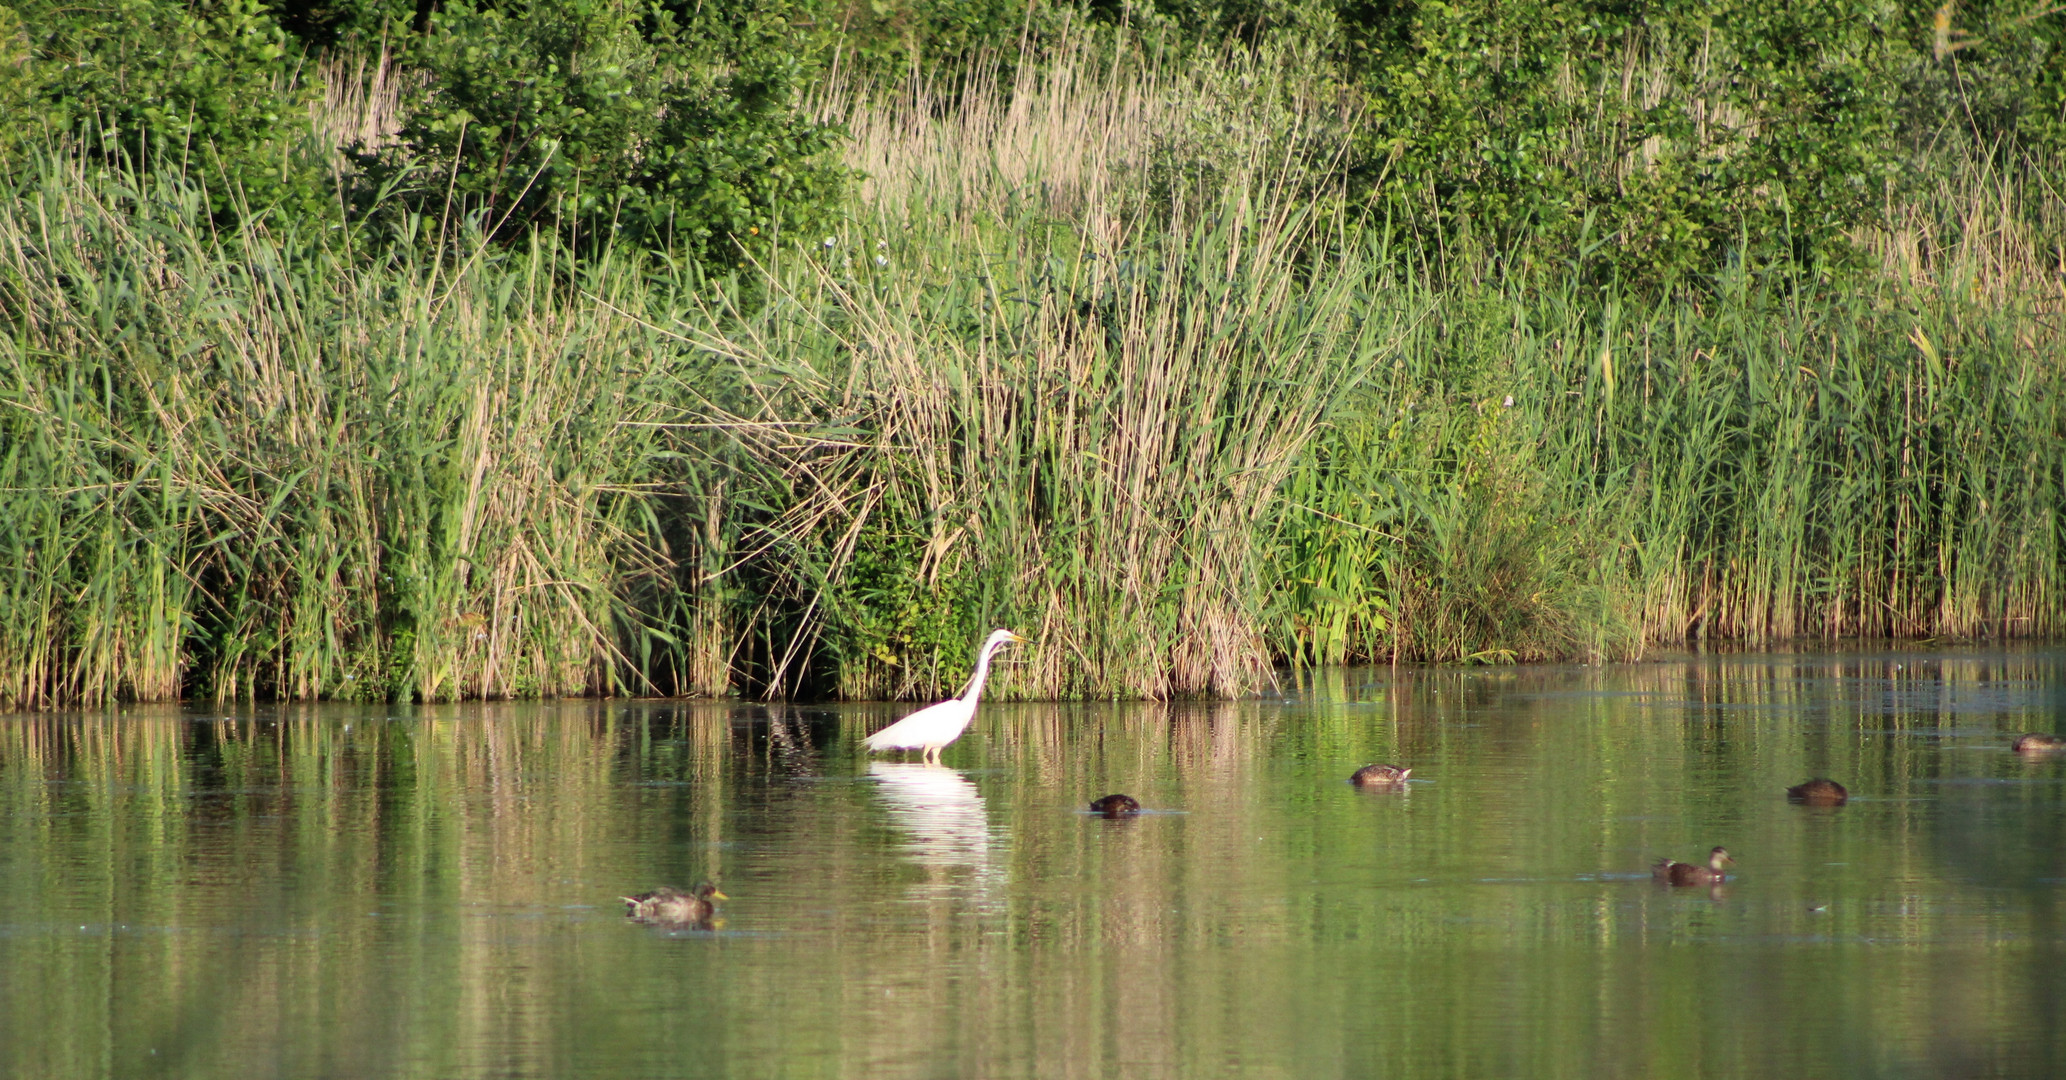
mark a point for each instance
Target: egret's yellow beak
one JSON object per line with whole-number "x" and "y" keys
{"x": 715, "y": 895}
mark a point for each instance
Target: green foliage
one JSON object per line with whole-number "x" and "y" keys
{"x": 323, "y": 24}
{"x": 208, "y": 84}
{"x": 1426, "y": 524}
{"x": 889, "y": 38}
{"x": 1995, "y": 78}
{"x": 603, "y": 122}
{"x": 1182, "y": 24}
{"x": 18, "y": 98}
{"x": 900, "y": 624}
{"x": 1670, "y": 137}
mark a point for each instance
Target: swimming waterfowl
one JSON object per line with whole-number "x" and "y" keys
{"x": 1380, "y": 776}
{"x": 2038, "y": 743}
{"x": 1818, "y": 792}
{"x": 669, "y": 905}
{"x": 1116, "y": 806}
{"x": 1670, "y": 872}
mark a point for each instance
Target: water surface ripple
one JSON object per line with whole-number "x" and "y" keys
{"x": 402, "y": 892}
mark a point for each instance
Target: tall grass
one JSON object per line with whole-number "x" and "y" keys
{"x": 1041, "y": 391}
{"x": 1074, "y": 437}
{"x": 1103, "y": 353}
{"x": 1557, "y": 475}
{"x": 255, "y": 461}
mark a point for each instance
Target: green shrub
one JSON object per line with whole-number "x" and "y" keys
{"x": 1669, "y": 139}
{"x": 326, "y": 24}
{"x": 605, "y": 122}
{"x": 889, "y": 38}
{"x": 1995, "y": 74}
{"x": 208, "y": 85}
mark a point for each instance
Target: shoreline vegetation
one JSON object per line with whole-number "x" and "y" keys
{"x": 1189, "y": 351}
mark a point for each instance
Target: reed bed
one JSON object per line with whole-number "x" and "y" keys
{"x": 1103, "y": 352}
{"x": 1077, "y": 441}
{"x": 1039, "y": 381}
{"x": 257, "y": 462}
{"x": 1772, "y": 463}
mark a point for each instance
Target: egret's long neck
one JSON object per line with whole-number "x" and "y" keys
{"x": 975, "y": 685}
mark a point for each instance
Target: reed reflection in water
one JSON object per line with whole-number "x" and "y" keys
{"x": 432, "y": 892}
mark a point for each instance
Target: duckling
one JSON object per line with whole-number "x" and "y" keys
{"x": 669, "y": 905}
{"x": 1380, "y": 776}
{"x": 2038, "y": 743}
{"x": 1818, "y": 792}
{"x": 1116, "y": 806}
{"x": 1668, "y": 872}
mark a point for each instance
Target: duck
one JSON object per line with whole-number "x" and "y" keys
{"x": 1380, "y": 776}
{"x": 1670, "y": 872}
{"x": 670, "y": 905}
{"x": 2037, "y": 743}
{"x": 1818, "y": 792}
{"x": 1116, "y": 806}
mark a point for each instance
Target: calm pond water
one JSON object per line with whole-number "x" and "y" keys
{"x": 350, "y": 892}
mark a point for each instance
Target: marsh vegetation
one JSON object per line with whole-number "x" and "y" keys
{"x": 550, "y": 349}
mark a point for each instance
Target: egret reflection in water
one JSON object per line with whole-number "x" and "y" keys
{"x": 943, "y": 821}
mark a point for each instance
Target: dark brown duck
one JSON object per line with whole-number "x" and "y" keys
{"x": 1671, "y": 872}
{"x": 1116, "y": 806}
{"x": 670, "y": 905}
{"x": 1818, "y": 792}
{"x": 1380, "y": 776}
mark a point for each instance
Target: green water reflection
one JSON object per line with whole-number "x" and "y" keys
{"x": 432, "y": 892}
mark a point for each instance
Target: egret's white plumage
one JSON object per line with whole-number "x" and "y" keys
{"x": 933, "y": 727}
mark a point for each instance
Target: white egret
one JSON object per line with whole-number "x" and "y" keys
{"x": 933, "y": 727}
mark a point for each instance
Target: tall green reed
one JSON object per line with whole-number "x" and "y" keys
{"x": 1040, "y": 379}
{"x": 1553, "y": 472}
{"x": 1027, "y": 426}
{"x": 254, "y": 461}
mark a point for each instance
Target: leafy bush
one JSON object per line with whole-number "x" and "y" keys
{"x": 208, "y": 84}
{"x": 1996, "y": 73}
{"x": 888, "y": 38}
{"x": 324, "y": 24}
{"x": 603, "y": 120}
{"x": 1665, "y": 137}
